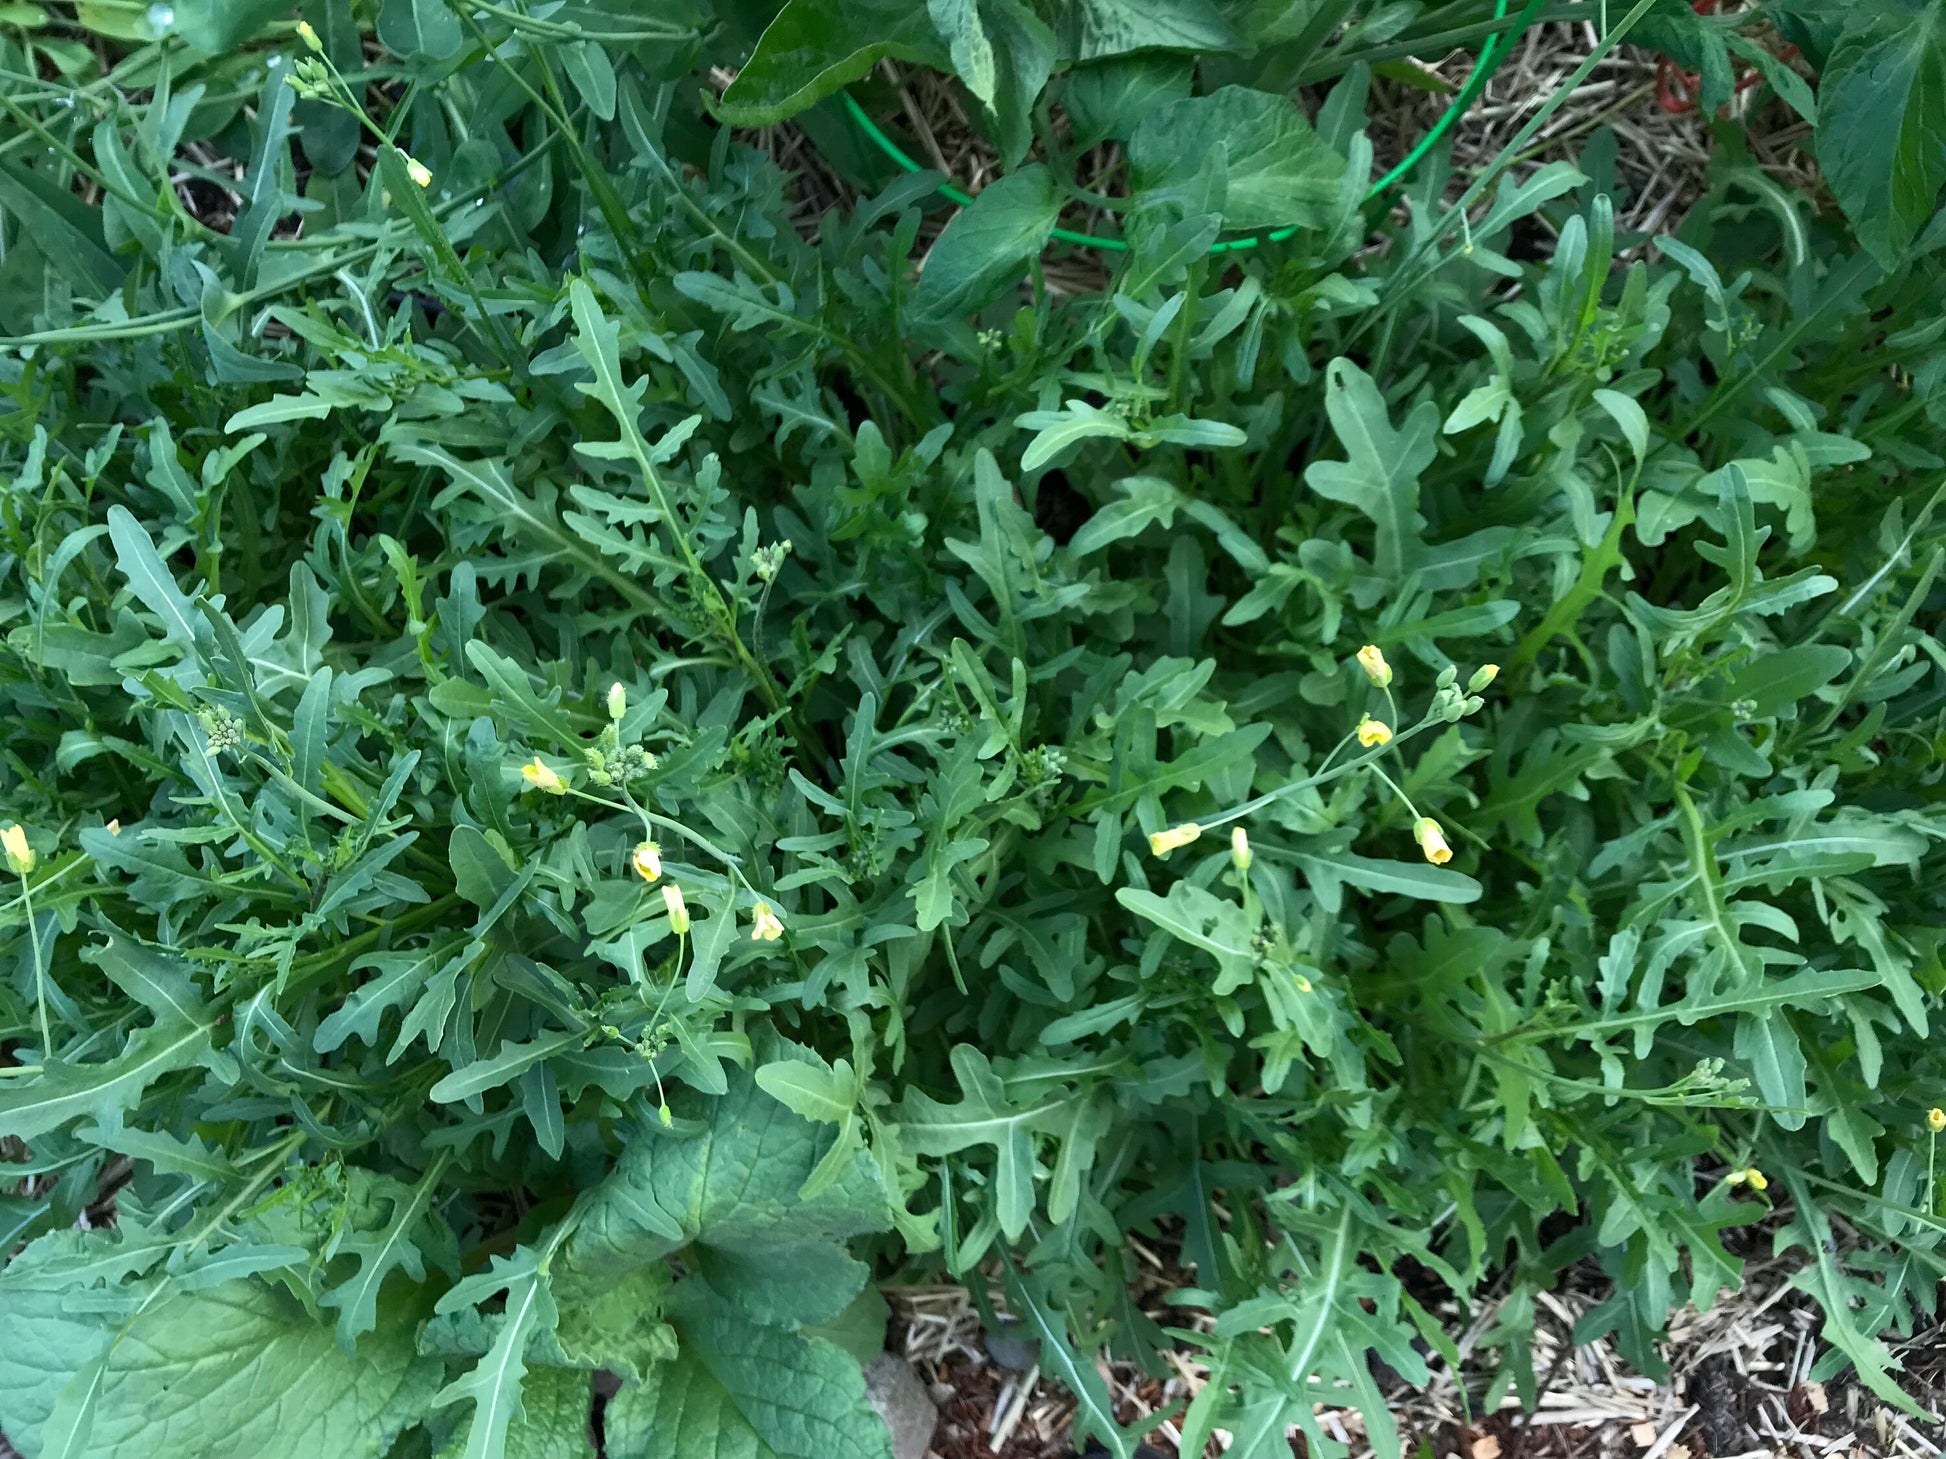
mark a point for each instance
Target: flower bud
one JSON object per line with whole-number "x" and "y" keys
{"x": 1432, "y": 840}
{"x": 678, "y": 908}
{"x": 1372, "y": 661}
{"x": 617, "y": 701}
{"x": 1482, "y": 676}
{"x": 1161, "y": 843}
{"x": 418, "y": 171}
{"x": 1936, "y": 1120}
{"x": 1240, "y": 848}
{"x": 308, "y": 34}
{"x": 20, "y": 856}
{"x": 1373, "y": 732}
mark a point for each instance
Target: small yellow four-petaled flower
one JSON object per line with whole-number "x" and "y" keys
{"x": 543, "y": 776}
{"x": 647, "y": 861}
{"x": 1432, "y": 840}
{"x": 1374, "y": 732}
{"x": 1161, "y": 843}
{"x": 1750, "y": 1176}
{"x": 764, "y": 924}
{"x": 1936, "y": 1120}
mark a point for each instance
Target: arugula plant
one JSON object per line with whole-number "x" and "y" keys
{"x": 593, "y": 767}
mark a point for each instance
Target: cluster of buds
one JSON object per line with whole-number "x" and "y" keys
{"x": 310, "y": 79}
{"x": 619, "y": 766}
{"x": 1044, "y": 764}
{"x": 766, "y": 561}
{"x": 222, "y": 728}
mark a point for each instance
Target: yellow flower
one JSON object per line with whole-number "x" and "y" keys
{"x": 114, "y": 827}
{"x": 20, "y": 856}
{"x": 766, "y": 927}
{"x": 1240, "y": 849}
{"x": 647, "y": 861}
{"x": 678, "y": 908}
{"x": 1432, "y": 840}
{"x": 1936, "y": 1120}
{"x": 1161, "y": 843}
{"x": 307, "y": 34}
{"x": 418, "y": 171}
{"x": 1374, "y": 732}
{"x": 1373, "y": 663}
{"x": 1750, "y": 1176}
{"x": 1482, "y": 676}
{"x": 542, "y": 776}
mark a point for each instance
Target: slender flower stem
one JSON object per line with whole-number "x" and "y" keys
{"x": 40, "y": 968}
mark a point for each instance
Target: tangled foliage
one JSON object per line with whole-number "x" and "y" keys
{"x": 595, "y": 766}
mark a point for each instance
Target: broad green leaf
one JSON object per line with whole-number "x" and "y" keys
{"x": 62, "y": 1092}
{"x": 55, "y": 1327}
{"x": 159, "y": 981}
{"x": 958, "y": 24}
{"x": 984, "y": 248}
{"x": 196, "y": 1365}
{"x": 1325, "y": 868}
{"x": 277, "y": 410}
{"x": 1882, "y": 123}
{"x": 1199, "y": 919}
{"x": 824, "y": 1096}
{"x": 1112, "y": 98}
{"x": 1095, "y": 1411}
{"x": 1057, "y": 430}
{"x": 1277, "y": 170}
{"x": 733, "y": 1183}
{"x": 815, "y": 47}
{"x": 553, "y": 1421}
{"x": 739, "y": 1389}
{"x": 1381, "y": 475}
{"x": 493, "y": 1385}
{"x": 986, "y": 1115}
{"x": 217, "y": 26}
{"x": 1091, "y": 29}
{"x": 425, "y": 28}
{"x": 514, "y": 696}
{"x": 67, "y": 233}
{"x": 1777, "y": 681}
{"x": 151, "y": 581}
{"x": 379, "y": 1227}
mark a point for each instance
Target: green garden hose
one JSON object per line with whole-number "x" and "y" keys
{"x": 1492, "y": 53}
